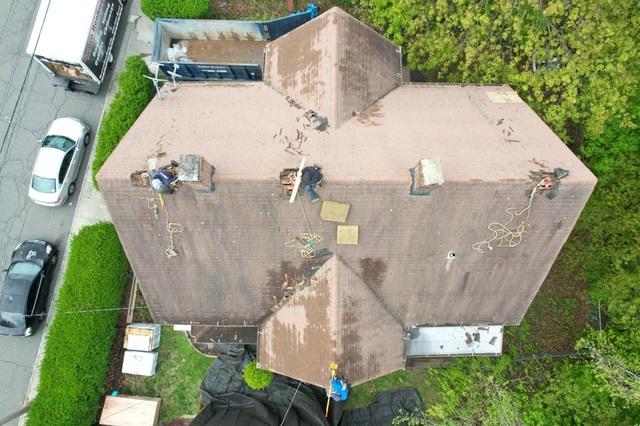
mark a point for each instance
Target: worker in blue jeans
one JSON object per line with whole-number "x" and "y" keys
{"x": 311, "y": 178}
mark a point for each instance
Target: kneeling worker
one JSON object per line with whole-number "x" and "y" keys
{"x": 165, "y": 179}
{"x": 311, "y": 178}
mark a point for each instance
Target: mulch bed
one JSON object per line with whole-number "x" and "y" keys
{"x": 114, "y": 374}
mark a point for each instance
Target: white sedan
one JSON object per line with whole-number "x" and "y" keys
{"x": 58, "y": 161}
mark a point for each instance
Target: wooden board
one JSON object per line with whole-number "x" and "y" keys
{"x": 347, "y": 234}
{"x": 334, "y": 211}
{"x": 126, "y": 410}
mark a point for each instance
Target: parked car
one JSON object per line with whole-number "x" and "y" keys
{"x": 58, "y": 161}
{"x": 26, "y": 286}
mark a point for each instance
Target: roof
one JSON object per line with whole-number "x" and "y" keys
{"x": 234, "y": 252}
{"x": 334, "y": 65}
{"x": 59, "y": 41}
{"x": 48, "y": 162}
{"x": 494, "y": 142}
{"x": 455, "y": 341}
{"x": 335, "y": 318}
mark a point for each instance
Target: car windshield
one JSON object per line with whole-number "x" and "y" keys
{"x": 44, "y": 185}
{"x": 11, "y": 320}
{"x": 58, "y": 142}
{"x": 23, "y": 271}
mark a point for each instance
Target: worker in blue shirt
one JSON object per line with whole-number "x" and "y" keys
{"x": 339, "y": 390}
{"x": 311, "y": 178}
{"x": 164, "y": 179}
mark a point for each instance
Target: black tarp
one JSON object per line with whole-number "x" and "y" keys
{"x": 229, "y": 401}
{"x": 386, "y": 406}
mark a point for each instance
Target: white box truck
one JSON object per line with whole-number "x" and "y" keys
{"x": 73, "y": 39}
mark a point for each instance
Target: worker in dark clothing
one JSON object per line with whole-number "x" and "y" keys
{"x": 165, "y": 179}
{"x": 311, "y": 178}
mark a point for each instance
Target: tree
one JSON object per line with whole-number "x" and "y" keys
{"x": 620, "y": 376}
{"x": 574, "y": 62}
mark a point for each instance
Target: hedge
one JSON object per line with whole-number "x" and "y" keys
{"x": 255, "y": 377}
{"x": 133, "y": 95}
{"x": 76, "y": 358}
{"x": 181, "y": 9}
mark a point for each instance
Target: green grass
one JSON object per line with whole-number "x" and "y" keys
{"x": 76, "y": 357}
{"x": 181, "y": 369}
{"x": 418, "y": 378}
{"x": 180, "y": 9}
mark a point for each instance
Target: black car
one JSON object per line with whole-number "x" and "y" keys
{"x": 26, "y": 286}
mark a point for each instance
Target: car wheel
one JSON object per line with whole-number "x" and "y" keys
{"x": 42, "y": 315}
{"x": 28, "y": 332}
{"x": 54, "y": 260}
{"x": 72, "y": 188}
{"x": 86, "y": 139}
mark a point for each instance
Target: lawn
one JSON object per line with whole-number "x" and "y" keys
{"x": 180, "y": 371}
{"x": 417, "y": 378}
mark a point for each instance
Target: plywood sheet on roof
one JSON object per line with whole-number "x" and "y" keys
{"x": 334, "y": 211}
{"x": 347, "y": 234}
{"x": 126, "y": 410}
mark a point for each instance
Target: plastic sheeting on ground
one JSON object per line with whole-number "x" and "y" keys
{"x": 229, "y": 401}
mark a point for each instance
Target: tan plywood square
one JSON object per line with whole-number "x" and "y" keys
{"x": 503, "y": 97}
{"x": 347, "y": 234}
{"x": 334, "y": 211}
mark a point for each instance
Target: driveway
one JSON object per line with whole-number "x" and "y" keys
{"x": 30, "y": 112}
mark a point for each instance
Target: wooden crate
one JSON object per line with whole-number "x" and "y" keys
{"x": 126, "y": 410}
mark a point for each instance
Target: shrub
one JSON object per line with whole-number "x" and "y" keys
{"x": 255, "y": 377}
{"x": 76, "y": 358}
{"x": 133, "y": 95}
{"x": 181, "y": 9}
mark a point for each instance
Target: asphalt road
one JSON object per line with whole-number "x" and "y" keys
{"x": 27, "y": 90}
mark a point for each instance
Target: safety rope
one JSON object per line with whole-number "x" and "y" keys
{"x": 172, "y": 227}
{"x": 305, "y": 243}
{"x": 505, "y": 235}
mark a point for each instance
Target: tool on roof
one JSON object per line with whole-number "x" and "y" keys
{"x": 297, "y": 181}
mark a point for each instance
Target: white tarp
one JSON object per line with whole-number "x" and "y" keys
{"x": 455, "y": 341}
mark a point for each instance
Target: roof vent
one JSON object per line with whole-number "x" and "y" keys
{"x": 425, "y": 176}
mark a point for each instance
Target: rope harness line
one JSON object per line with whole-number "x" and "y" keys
{"x": 305, "y": 243}
{"x": 172, "y": 227}
{"x": 505, "y": 235}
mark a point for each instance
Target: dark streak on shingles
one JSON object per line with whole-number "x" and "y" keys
{"x": 350, "y": 337}
{"x": 373, "y": 271}
{"x": 465, "y": 281}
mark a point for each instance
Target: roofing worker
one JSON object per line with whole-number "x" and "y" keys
{"x": 165, "y": 179}
{"x": 339, "y": 390}
{"x": 311, "y": 177}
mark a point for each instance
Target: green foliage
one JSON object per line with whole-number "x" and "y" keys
{"x": 133, "y": 95}
{"x": 571, "y": 394}
{"x": 620, "y": 374}
{"x": 180, "y": 9}
{"x": 572, "y": 61}
{"x": 255, "y": 377}
{"x": 76, "y": 359}
{"x": 180, "y": 371}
